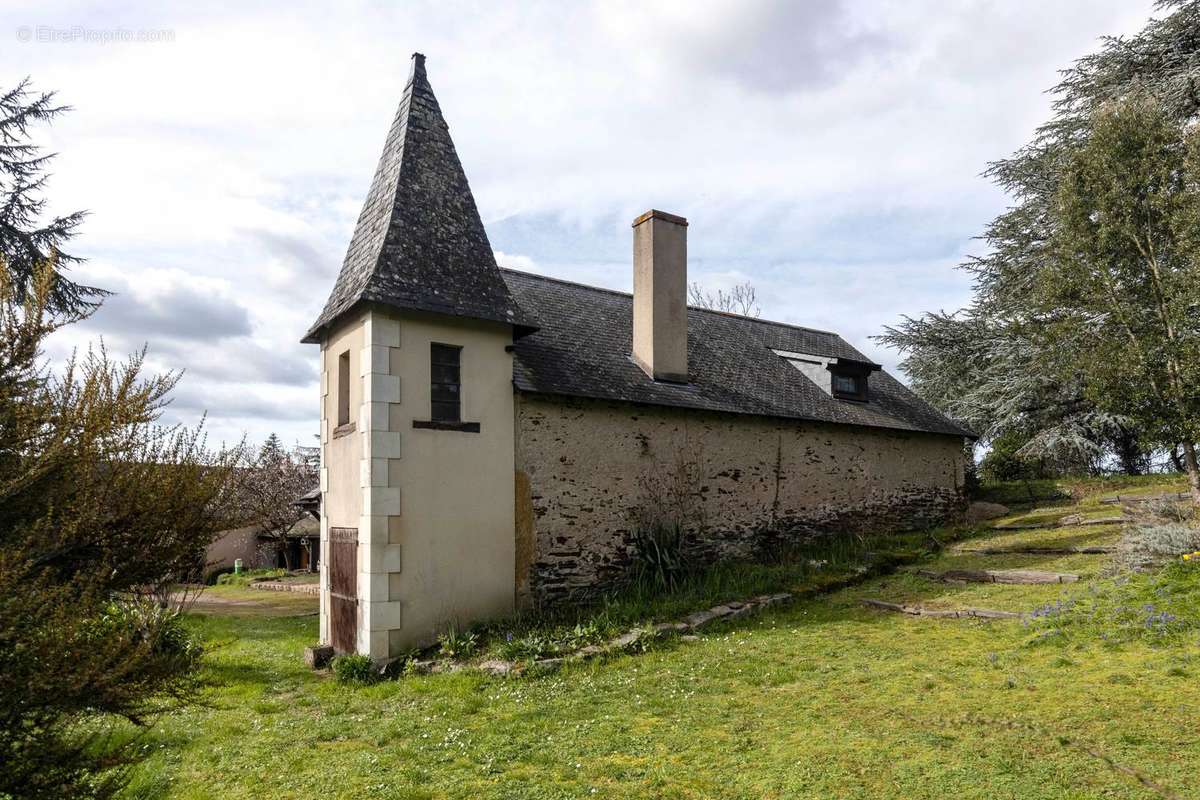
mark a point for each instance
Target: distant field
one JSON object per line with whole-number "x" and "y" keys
{"x": 821, "y": 699}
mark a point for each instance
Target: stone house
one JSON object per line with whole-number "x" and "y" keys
{"x": 492, "y": 439}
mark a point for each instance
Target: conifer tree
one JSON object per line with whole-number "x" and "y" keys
{"x": 26, "y": 239}
{"x": 992, "y": 364}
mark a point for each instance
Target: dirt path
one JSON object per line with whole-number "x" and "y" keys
{"x": 248, "y": 602}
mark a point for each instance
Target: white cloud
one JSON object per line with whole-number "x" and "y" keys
{"x": 829, "y": 152}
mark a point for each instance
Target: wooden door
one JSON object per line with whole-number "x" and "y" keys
{"x": 343, "y": 589}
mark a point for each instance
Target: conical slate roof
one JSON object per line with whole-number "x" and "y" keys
{"x": 419, "y": 243}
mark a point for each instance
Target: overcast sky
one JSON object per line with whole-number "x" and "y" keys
{"x": 828, "y": 151}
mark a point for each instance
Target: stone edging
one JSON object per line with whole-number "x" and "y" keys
{"x": 620, "y": 644}
{"x": 283, "y": 586}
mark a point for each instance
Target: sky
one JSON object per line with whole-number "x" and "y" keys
{"x": 828, "y": 152}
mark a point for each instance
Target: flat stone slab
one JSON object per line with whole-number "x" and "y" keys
{"x": 1022, "y": 576}
{"x": 496, "y": 667}
{"x": 625, "y": 640}
{"x": 1100, "y": 549}
{"x": 942, "y": 613}
{"x": 1078, "y": 520}
{"x": 1065, "y": 522}
{"x": 699, "y": 618}
{"x": 1117, "y": 500}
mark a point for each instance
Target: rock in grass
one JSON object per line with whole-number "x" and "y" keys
{"x": 318, "y": 656}
{"x": 942, "y": 613}
{"x": 978, "y": 512}
{"x": 625, "y": 640}
{"x": 699, "y": 618}
{"x": 496, "y": 667}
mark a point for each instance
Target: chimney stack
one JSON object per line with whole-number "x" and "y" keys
{"x": 660, "y": 296}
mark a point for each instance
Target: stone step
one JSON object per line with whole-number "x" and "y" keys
{"x": 1037, "y": 550}
{"x": 941, "y": 613}
{"x": 1022, "y": 576}
{"x": 1117, "y": 500}
{"x": 1065, "y": 522}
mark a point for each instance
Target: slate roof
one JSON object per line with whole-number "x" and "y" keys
{"x": 419, "y": 242}
{"x": 582, "y": 349}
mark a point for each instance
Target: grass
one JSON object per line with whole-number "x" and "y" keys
{"x": 823, "y": 698}
{"x": 244, "y": 601}
{"x": 1088, "y": 489}
{"x": 249, "y": 576}
{"x": 804, "y": 570}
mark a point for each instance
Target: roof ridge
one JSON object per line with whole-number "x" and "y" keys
{"x": 702, "y": 309}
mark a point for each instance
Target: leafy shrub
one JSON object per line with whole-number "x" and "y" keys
{"x": 144, "y": 625}
{"x": 529, "y": 647}
{"x": 457, "y": 645}
{"x": 1012, "y": 493}
{"x": 659, "y": 562}
{"x": 1161, "y": 531}
{"x": 250, "y": 576}
{"x": 1004, "y": 461}
{"x": 354, "y": 668}
{"x": 213, "y": 577}
{"x": 548, "y": 642}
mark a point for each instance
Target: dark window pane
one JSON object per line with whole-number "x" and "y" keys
{"x": 444, "y": 412}
{"x": 445, "y": 354}
{"x": 343, "y": 398}
{"x": 445, "y": 383}
{"x": 849, "y": 385}
{"x": 445, "y": 392}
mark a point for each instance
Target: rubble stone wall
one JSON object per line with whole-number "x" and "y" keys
{"x": 591, "y": 472}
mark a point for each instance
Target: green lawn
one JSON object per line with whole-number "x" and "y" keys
{"x": 821, "y": 699}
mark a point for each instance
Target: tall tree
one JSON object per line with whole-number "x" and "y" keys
{"x": 26, "y": 238}
{"x": 268, "y": 486}
{"x": 1118, "y": 295}
{"x": 990, "y": 364}
{"x": 101, "y": 510}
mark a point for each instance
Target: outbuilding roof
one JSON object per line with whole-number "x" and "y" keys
{"x": 583, "y": 344}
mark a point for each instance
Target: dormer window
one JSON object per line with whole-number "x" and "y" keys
{"x": 848, "y": 385}
{"x": 852, "y": 387}
{"x": 848, "y": 379}
{"x": 840, "y": 378}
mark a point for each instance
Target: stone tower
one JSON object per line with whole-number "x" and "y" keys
{"x": 417, "y": 461}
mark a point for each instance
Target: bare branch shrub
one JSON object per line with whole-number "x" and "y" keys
{"x": 741, "y": 299}
{"x": 1159, "y": 532}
